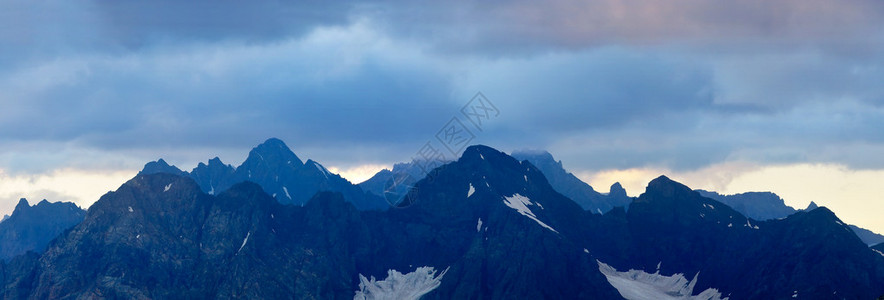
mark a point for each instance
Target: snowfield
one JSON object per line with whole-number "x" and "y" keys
{"x": 396, "y": 286}
{"x": 640, "y": 285}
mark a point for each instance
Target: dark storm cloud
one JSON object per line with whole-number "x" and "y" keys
{"x": 680, "y": 84}
{"x": 136, "y": 23}
{"x": 292, "y": 89}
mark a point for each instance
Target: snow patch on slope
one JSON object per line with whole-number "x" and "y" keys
{"x": 286, "y": 190}
{"x": 409, "y": 286}
{"x": 244, "y": 241}
{"x": 640, "y": 285}
{"x": 471, "y": 191}
{"x": 520, "y": 204}
{"x": 321, "y": 169}
{"x": 748, "y": 224}
{"x": 166, "y": 189}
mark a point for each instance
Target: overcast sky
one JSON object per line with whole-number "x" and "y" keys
{"x": 785, "y": 96}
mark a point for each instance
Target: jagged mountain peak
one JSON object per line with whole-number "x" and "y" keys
{"x": 543, "y": 160}
{"x": 573, "y": 187}
{"x": 22, "y": 205}
{"x": 278, "y": 171}
{"x": 160, "y": 166}
{"x": 617, "y": 190}
{"x": 273, "y": 151}
{"x": 214, "y": 162}
{"x": 30, "y": 228}
{"x": 811, "y": 206}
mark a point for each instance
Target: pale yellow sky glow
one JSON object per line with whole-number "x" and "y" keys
{"x": 84, "y": 187}
{"x": 358, "y": 174}
{"x": 70, "y": 185}
{"x": 856, "y": 196}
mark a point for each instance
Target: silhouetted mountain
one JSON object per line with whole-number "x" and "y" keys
{"x": 485, "y": 226}
{"x": 159, "y": 236}
{"x": 280, "y": 172}
{"x": 214, "y": 176}
{"x": 160, "y": 166}
{"x": 760, "y": 206}
{"x": 812, "y": 254}
{"x": 867, "y": 236}
{"x": 394, "y": 184}
{"x": 376, "y": 184}
{"x": 811, "y": 206}
{"x": 574, "y": 188}
{"x": 764, "y": 206}
{"x": 499, "y": 229}
{"x": 30, "y": 228}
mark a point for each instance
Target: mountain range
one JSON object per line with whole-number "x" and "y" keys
{"x": 395, "y": 183}
{"x": 487, "y": 225}
{"x": 280, "y": 172}
{"x": 764, "y": 206}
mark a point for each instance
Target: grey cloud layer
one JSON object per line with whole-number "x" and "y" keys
{"x": 609, "y": 84}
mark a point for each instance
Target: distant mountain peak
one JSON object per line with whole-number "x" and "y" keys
{"x": 617, "y": 190}
{"x": 30, "y": 228}
{"x": 760, "y": 206}
{"x": 662, "y": 179}
{"x": 811, "y": 206}
{"x": 160, "y": 166}
{"x": 215, "y": 161}
{"x": 22, "y": 205}
{"x": 668, "y": 187}
{"x": 274, "y": 150}
{"x": 822, "y": 211}
{"x": 277, "y": 169}
{"x": 538, "y": 154}
{"x": 574, "y": 188}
